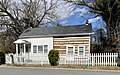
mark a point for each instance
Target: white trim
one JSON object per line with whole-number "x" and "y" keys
{"x": 89, "y": 44}
{"x": 47, "y": 49}
{"x": 17, "y": 49}
{"x": 31, "y": 48}
{"x": 73, "y": 50}
{"x": 83, "y": 50}
{"x": 21, "y": 41}
{"x": 36, "y": 49}
{"x": 24, "y": 49}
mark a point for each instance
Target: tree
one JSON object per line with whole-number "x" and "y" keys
{"x": 25, "y": 14}
{"x": 101, "y": 43}
{"x": 53, "y": 57}
{"x": 16, "y": 16}
{"x": 109, "y": 10}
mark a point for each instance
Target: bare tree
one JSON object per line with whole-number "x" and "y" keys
{"x": 19, "y": 15}
{"x": 24, "y": 14}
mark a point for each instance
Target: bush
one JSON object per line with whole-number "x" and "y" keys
{"x": 3, "y": 49}
{"x": 119, "y": 53}
{"x": 53, "y": 57}
{"x": 2, "y": 58}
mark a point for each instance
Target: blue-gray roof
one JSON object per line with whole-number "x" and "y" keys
{"x": 57, "y": 31}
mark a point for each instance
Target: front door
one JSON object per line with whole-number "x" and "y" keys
{"x": 20, "y": 53}
{"x": 27, "y": 52}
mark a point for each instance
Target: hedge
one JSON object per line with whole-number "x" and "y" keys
{"x": 2, "y": 58}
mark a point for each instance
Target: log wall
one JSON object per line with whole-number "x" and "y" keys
{"x": 60, "y": 44}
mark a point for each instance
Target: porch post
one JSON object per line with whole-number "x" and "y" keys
{"x": 24, "y": 49}
{"x": 16, "y": 49}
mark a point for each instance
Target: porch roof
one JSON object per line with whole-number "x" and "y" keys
{"x": 20, "y": 41}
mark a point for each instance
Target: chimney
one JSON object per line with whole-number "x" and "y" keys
{"x": 86, "y": 21}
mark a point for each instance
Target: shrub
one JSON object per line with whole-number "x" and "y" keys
{"x": 119, "y": 53}
{"x": 53, "y": 57}
{"x": 3, "y": 49}
{"x": 2, "y": 58}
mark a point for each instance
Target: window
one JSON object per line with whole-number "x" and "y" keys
{"x": 70, "y": 50}
{"x": 40, "y": 49}
{"x": 34, "y": 49}
{"x": 45, "y": 48}
{"x": 81, "y": 50}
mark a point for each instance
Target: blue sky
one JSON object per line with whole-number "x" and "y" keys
{"x": 75, "y": 19}
{"x": 78, "y": 16}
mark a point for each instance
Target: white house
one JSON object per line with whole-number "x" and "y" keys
{"x": 34, "y": 44}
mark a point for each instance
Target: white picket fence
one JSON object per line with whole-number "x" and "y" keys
{"x": 104, "y": 59}
{"x": 94, "y": 59}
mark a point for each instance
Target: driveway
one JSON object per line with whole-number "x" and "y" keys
{"x": 43, "y": 71}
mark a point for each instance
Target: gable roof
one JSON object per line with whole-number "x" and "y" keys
{"x": 57, "y": 31}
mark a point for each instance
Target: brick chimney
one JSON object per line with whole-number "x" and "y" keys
{"x": 86, "y": 21}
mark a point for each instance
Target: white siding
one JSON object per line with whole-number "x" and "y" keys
{"x": 40, "y": 41}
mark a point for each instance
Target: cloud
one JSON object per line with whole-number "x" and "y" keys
{"x": 65, "y": 10}
{"x": 64, "y": 22}
{"x": 94, "y": 19}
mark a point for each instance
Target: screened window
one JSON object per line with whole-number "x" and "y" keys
{"x": 81, "y": 50}
{"x": 70, "y": 50}
{"x": 45, "y": 48}
{"x": 34, "y": 49}
{"x": 40, "y": 49}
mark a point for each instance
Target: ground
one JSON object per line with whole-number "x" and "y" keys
{"x": 52, "y": 71}
{"x": 71, "y": 67}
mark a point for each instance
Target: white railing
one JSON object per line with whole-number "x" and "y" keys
{"x": 94, "y": 59}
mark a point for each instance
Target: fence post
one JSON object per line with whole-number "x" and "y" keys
{"x": 98, "y": 59}
{"x": 93, "y": 63}
{"x": 116, "y": 57}
{"x": 108, "y": 58}
{"x": 112, "y": 59}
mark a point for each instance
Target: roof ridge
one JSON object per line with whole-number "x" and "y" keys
{"x": 61, "y": 26}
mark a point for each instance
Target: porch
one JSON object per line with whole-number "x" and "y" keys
{"x": 23, "y": 51}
